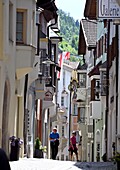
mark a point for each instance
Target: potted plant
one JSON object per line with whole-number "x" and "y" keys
{"x": 104, "y": 157}
{"x": 116, "y": 158}
{"x": 15, "y": 144}
{"x": 39, "y": 149}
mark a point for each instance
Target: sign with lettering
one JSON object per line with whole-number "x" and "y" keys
{"x": 108, "y": 9}
{"x": 48, "y": 96}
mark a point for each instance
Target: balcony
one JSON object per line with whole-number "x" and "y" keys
{"x": 95, "y": 109}
{"x": 25, "y": 56}
{"x": 44, "y": 43}
{"x": 81, "y": 94}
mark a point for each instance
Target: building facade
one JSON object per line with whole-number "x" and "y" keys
{"x": 17, "y": 58}
{"x": 104, "y": 77}
{"x": 67, "y": 108}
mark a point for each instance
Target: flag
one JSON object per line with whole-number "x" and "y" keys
{"x": 60, "y": 64}
{"x": 63, "y": 55}
{"x": 67, "y": 55}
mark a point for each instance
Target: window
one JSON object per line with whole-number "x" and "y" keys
{"x": 103, "y": 83}
{"x": 21, "y": 26}
{"x": 44, "y": 70}
{"x": 75, "y": 110}
{"x": 10, "y": 21}
{"x": 82, "y": 80}
{"x": 81, "y": 115}
{"x": 63, "y": 78}
{"x": 62, "y": 101}
{"x": 63, "y": 131}
{"x": 53, "y": 56}
{"x": 98, "y": 152}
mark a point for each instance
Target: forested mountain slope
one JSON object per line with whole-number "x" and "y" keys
{"x": 69, "y": 30}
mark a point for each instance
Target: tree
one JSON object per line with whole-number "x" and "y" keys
{"x": 69, "y": 30}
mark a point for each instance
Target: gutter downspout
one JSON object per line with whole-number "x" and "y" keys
{"x": 49, "y": 42}
{"x": 25, "y": 114}
{"x": 38, "y": 39}
{"x": 107, "y": 90}
{"x": 117, "y": 76}
{"x": 49, "y": 54}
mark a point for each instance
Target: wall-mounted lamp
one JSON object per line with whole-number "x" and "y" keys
{"x": 64, "y": 93}
{"x": 48, "y": 61}
{"x": 97, "y": 89}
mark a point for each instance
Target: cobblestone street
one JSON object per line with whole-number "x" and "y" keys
{"x": 47, "y": 164}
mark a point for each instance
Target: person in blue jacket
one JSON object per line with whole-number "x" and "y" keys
{"x": 54, "y": 143}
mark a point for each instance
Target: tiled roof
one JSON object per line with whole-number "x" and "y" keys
{"x": 90, "y": 31}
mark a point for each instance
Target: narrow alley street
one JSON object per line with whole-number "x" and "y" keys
{"x": 48, "y": 164}
{"x": 59, "y": 84}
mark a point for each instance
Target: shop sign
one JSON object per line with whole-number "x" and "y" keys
{"x": 108, "y": 9}
{"x": 48, "y": 96}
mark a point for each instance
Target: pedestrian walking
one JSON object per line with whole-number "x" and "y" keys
{"x": 4, "y": 162}
{"x": 73, "y": 148}
{"x": 54, "y": 143}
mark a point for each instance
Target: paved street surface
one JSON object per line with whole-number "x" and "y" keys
{"x": 47, "y": 164}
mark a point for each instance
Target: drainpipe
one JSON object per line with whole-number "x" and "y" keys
{"x": 49, "y": 53}
{"x": 107, "y": 89}
{"x": 117, "y": 76}
{"x": 38, "y": 39}
{"x": 38, "y": 30}
{"x": 25, "y": 114}
{"x": 49, "y": 42}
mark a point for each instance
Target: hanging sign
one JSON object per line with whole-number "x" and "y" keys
{"x": 48, "y": 96}
{"x": 108, "y": 9}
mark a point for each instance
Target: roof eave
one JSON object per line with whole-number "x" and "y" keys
{"x": 90, "y": 9}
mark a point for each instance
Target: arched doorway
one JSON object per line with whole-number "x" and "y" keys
{"x": 5, "y": 117}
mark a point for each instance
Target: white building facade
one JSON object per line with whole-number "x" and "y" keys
{"x": 18, "y": 55}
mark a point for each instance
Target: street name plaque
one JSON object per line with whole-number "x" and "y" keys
{"x": 108, "y": 9}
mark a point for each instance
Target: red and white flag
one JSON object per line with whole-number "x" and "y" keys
{"x": 60, "y": 64}
{"x": 66, "y": 55}
{"x": 63, "y": 55}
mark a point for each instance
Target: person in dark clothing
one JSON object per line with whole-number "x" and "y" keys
{"x": 4, "y": 162}
{"x": 54, "y": 142}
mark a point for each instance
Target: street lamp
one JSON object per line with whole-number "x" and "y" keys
{"x": 72, "y": 87}
{"x": 48, "y": 62}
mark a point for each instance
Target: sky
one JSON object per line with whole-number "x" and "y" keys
{"x": 74, "y": 7}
